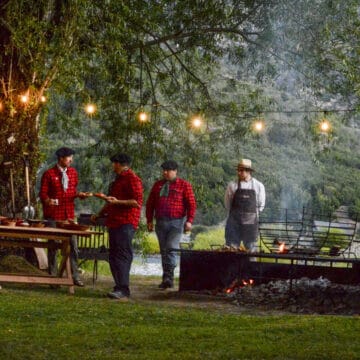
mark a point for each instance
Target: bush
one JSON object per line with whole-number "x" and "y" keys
{"x": 197, "y": 229}
{"x": 144, "y": 242}
{"x": 214, "y": 236}
{"x": 149, "y": 245}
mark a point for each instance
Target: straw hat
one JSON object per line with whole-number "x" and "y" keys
{"x": 245, "y": 164}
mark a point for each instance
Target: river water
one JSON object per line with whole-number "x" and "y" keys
{"x": 150, "y": 265}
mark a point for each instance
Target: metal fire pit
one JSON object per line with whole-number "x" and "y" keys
{"x": 217, "y": 270}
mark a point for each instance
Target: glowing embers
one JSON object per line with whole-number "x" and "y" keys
{"x": 282, "y": 248}
{"x": 239, "y": 284}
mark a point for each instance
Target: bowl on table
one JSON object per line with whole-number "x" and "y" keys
{"x": 36, "y": 223}
{"x": 8, "y": 222}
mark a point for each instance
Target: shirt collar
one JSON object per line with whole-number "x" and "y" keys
{"x": 61, "y": 168}
{"x": 124, "y": 172}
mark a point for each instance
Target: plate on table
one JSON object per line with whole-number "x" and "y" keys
{"x": 36, "y": 223}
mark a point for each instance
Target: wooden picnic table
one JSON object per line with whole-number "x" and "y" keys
{"x": 26, "y": 237}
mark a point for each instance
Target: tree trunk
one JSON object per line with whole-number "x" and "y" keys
{"x": 19, "y": 131}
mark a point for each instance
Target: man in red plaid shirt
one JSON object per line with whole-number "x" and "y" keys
{"x": 122, "y": 213}
{"x": 172, "y": 203}
{"x": 58, "y": 192}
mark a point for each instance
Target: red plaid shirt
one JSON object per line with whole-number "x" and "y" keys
{"x": 179, "y": 203}
{"x": 126, "y": 186}
{"x": 51, "y": 188}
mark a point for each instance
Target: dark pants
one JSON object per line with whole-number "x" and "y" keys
{"x": 121, "y": 256}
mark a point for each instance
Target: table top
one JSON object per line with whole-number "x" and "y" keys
{"x": 45, "y": 232}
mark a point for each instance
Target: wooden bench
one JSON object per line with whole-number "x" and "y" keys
{"x": 22, "y": 237}
{"x": 96, "y": 247}
{"x": 306, "y": 232}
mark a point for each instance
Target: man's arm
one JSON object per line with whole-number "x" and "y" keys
{"x": 150, "y": 208}
{"x": 44, "y": 188}
{"x": 136, "y": 194}
{"x": 190, "y": 203}
{"x": 262, "y": 197}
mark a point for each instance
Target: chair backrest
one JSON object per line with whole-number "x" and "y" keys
{"x": 96, "y": 246}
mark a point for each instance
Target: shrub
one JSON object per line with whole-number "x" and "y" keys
{"x": 214, "y": 236}
{"x": 149, "y": 245}
{"x": 144, "y": 242}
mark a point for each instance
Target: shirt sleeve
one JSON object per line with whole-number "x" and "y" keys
{"x": 137, "y": 190}
{"x": 261, "y": 197}
{"x": 190, "y": 203}
{"x": 229, "y": 194}
{"x": 44, "y": 187}
{"x": 150, "y": 205}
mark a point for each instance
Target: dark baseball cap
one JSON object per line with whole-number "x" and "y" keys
{"x": 64, "y": 151}
{"x": 121, "y": 159}
{"x": 169, "y": 165}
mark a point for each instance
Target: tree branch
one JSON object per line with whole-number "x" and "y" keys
{"x": 183, "y": 35}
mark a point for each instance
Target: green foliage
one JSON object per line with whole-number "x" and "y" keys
{"x": 103, "y": 267}
{"x": 229, "y": 62}
{"x": 146, "y": 243}
{"x": 335, "y": 238}
{"x": 206, "y": 239}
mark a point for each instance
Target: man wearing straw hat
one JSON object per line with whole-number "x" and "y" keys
{"x": 244, "y": 200}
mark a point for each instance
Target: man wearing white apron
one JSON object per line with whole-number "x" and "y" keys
{"x": 243, "y": 201}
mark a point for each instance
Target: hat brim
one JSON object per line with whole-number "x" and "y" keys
{"x": 245, "y": 168}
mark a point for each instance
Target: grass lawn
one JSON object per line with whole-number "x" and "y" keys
{"x": 41, "y": 323}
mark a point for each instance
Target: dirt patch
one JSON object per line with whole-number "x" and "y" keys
{"x": 306, "y": 297}
{"x": 144, "y": 290}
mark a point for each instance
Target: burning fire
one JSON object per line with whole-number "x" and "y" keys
{"x": 282, "y": 248}
{"x": 238, "y": 284}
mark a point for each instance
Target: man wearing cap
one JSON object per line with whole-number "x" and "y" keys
{"x": 122, "y": 212}
{"x": 58, "y": 192}
{"x": 244, "y": 200}
{"x": 172, "y": 203}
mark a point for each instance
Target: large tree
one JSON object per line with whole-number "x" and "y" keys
{"x": 108, "y": 48}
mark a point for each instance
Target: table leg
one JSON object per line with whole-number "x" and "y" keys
{"x": 66, "y": 266}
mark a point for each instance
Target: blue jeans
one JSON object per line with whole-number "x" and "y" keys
{"x": 169, "y": 233}
{"x": 121, "y": 256}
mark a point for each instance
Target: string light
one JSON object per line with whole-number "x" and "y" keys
{"x": 259, "y": 125}
{"x": 143, "y": 116}
{"x": 1, "y": 106}
{"x": 24, "y": 98}
{"x": 90, "y": 109}
{"x": 43, "y": 99}
{"x": 196, "y": 122}
{"x": 325, "y": 126}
